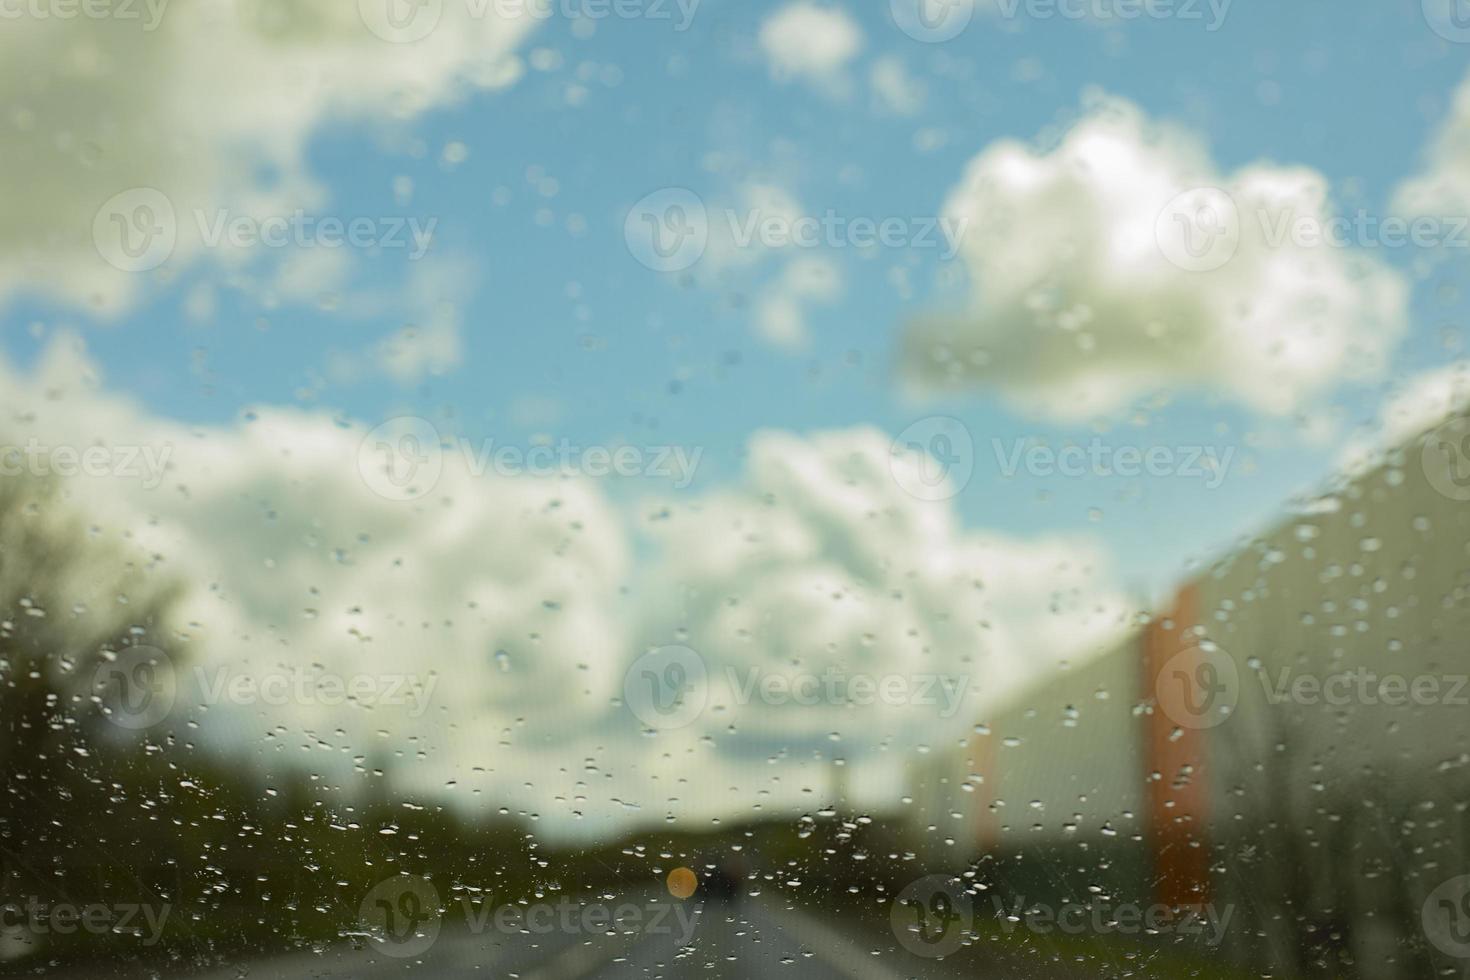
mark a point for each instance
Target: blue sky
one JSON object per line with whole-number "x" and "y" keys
{"x": 608, "y": 349}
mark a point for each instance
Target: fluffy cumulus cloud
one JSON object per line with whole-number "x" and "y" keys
{"x": 210, "y": 104}
{"x": 494, "y": 618}
{"x": 757, "y": 226}
{"x": 781, "y": 311}
{"x": 895, "y": 90}
{"x": 820, "y": 572}
{"x": 811, "y": 42}
{"x": 1122, "y": 261}
{"x": 1417, "y": 405}
{"x": 494, "y": 598}
{"x": 1442, "y": 188}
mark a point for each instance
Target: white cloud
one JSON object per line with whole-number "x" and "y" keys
{"x": 1418, "y": 404}
{"x": 1076, "y": 310}
{"x": 812, "y": 43}
{"x": 292, "y": 562}
{"x": 816, "y": 561}
{"x": 738, "y": 250}
{"x": 819, "y": 562}
{"x": 735, "y": 238}
{"x": 198, "y": 108}
{"x": 781, "y": 309}
{"x": 894, "y": 88}
{"x": 1442, "y": 188}
{"x": 429, "y": 344}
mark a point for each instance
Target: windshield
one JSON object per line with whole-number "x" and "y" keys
{"x": 579, "y": 488}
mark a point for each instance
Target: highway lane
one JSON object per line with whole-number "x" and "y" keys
{"x": 708, "y": 938}
{"x": 744, "y": 938}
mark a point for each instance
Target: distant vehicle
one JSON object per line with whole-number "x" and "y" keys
{"x": 727, "y": 879}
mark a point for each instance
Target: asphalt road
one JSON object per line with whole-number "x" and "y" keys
{"x": 711, "y": 939}
{"x": 661, "y": 938}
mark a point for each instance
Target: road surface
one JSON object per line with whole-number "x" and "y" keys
{"x": 707, "y": 938}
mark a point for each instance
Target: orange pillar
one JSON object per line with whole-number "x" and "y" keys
{"x": 1175, "y": 762}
